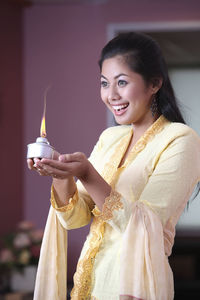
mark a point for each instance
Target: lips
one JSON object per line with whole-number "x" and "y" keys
{"x": 120, "y": 109}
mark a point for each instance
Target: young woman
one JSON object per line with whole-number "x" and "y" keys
{"x": 134, "y": 186}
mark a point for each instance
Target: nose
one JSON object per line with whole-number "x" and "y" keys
{"x": 113, "y": 94}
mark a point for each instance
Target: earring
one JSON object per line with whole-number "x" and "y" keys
{"x": 154, "y": 106}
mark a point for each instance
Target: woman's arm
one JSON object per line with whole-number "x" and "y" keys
{"x": 64, "y": 189}
{"x": 65, "y": 169}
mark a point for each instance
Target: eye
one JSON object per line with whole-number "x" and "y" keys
{"x": 122, "y": 83}
{"x": 104, "y": 84}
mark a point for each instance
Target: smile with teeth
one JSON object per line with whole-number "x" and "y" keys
{"x": 120, "y": 107}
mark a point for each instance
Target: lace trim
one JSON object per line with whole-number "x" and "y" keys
{"x": 111, "y": 167}
{"x": 155, "y": 128}
{"x": 112, "y": 202}
{"x": 111, "y": 171}
{"x": 83, "y": 277}
{"x": 70, "y": 206}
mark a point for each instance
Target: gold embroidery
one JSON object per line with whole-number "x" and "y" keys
{"x": 112, "y": 202}
{"x": 156, "y": 127}
{"x": 83, "y": 279}
{"x": 83, "y": 276}
{"x": 72, "y": 201}
{"x": 111, "y": 167}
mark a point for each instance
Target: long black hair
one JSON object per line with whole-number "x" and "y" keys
{"x": 143, "y": 56}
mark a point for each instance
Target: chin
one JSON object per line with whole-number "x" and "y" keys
{"x": 124, "y": 121}
{"x": 120, "y": 122}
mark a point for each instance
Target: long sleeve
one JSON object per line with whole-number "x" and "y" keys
{"x": 78, "y": 212}
{"x": 174, "y": 178}
{"x": 148, "y": 238}
{"x": 145, "y": 273}
{"x": 168, "y": 182}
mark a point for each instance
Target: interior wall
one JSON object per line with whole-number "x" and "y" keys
{"x": 61, "y": 48}
{"x": 186, "y": 82}
{"x": 11, "y": 116}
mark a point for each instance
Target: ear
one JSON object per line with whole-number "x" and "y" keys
{"x": 156, "y": 84}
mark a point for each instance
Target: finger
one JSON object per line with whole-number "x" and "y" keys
{"x": 30, "y": 163}
{"x": 42, "y": 173}
{"x": 65, "y": 158}
{"x": 73, "y": 157}
{"x": 38, "y": 165}
{"x": 78, "y": 156}
{"x": 36, "y": 161}
{"x": 57, "y": 173}
{"x": 56, "y": 155}
{"x": 54, "y": 164}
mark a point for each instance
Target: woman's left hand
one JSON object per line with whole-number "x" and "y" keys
{"x": 76, "y": 165}
{"x": 67, "y": 165}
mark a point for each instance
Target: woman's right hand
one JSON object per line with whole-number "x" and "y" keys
{"x": 32, "y": 164}
{"x": 63, "y": 189}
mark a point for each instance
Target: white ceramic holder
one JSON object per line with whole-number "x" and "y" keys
{"x": 41, "y": 149}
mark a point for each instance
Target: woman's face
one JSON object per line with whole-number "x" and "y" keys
{"x": 125, "y": 92}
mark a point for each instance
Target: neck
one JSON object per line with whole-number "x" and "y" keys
{"x": 140, "y": 128}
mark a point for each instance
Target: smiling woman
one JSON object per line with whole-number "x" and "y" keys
{"x": 126, "y": 93}
{"x": 133, "y": 187}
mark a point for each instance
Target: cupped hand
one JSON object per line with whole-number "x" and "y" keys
{"x": 64, "y": 166}
{"x": 34, "y": 164}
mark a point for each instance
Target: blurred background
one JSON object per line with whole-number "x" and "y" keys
{"x": 58, "y": 43}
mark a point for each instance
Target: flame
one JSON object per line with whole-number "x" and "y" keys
{"x": 43, "y": 124}
{"x": 43, "y": 128}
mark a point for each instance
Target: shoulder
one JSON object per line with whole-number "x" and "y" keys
{"x": 179, "y": 138}
{"x": 181, "y": 129}
{"x": 173, "y": 131}
{"x": 175, "y": 138}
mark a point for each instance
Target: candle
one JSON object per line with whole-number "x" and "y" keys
{"x": 41, "y": 148}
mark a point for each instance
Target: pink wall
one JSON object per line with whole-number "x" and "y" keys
{"x": 61, "y": 48}
{"x": 11, "y": 116}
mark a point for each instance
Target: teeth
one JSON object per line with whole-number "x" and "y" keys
{"x": 119, "y": 107}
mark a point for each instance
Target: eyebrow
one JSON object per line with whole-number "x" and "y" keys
{"x": 117, "y": 76}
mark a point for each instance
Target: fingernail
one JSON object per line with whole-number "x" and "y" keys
{"x": 39, "y": 166}
{"x": 61, "y": 158}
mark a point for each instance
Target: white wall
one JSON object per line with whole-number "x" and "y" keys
{"x": 186, "y": 83}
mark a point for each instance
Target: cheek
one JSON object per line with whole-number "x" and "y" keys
{"x": 131, "y": 92}
{"x": 138, "y": 96}
{"x": 103, "y": 96}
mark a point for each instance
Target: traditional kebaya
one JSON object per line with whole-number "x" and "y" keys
{"x": 133, "y": 187}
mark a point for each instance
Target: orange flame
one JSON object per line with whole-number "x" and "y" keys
{"x": 43, "y": 128}
{"x": 43, "y": 124}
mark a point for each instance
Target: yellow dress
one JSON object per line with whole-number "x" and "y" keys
{"x": 127, "y": 249}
